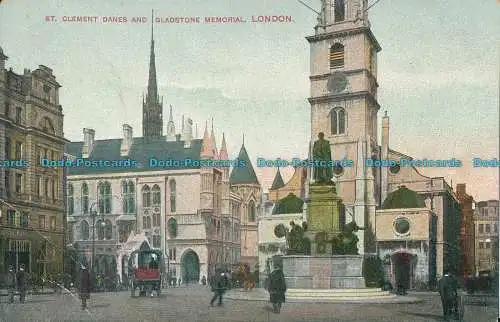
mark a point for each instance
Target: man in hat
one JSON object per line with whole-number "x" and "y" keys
{"x": 11, "y": 283}
{"x": 84, "y": 285}
{"x": 21, "y": 283}
{"x": 277, "y": 287}
{"x": 219, "y": 287}
{"x": 448, "y": 290}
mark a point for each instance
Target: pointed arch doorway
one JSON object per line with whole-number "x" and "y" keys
{"x": 190, "y": 267}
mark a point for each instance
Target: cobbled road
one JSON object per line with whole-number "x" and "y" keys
{"x": 191, "y": 303}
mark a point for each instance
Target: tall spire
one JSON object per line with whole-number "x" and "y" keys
{"x": 206, "y": 147}
{"x": 214, "y": 143}
{"x": 243, "y": 140}
{"x": 223, "y": 149}
{"x": 152, "y": 120}
{"x": 170, "y": 117}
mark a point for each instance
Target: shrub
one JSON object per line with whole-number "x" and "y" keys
{"x": 373, "y": 271}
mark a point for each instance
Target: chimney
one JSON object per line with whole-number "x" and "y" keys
{"x": 88, "y": 142}
{"x": 127, "y": 140}
{"x": 461, "y": 189}
{"x": 188, "y": 133}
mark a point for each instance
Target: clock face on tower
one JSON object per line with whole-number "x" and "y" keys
{"x": 337, "y": 82}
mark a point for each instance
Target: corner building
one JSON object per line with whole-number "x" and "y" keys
{"x": 32, "y": 217}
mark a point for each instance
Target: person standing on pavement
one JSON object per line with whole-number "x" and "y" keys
{"x": 21, "y": 283}
{"x": 219, "y": 286}
{"x": 11, "y": 283}
{"x": 448, "y": 290}
{"x": 277, "y": 288}
{"x": 84, "y": 285}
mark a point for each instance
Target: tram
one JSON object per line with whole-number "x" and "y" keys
{"x": 146, "y": 270}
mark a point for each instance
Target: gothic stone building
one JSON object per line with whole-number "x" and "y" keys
{"x": 31, "y": 204}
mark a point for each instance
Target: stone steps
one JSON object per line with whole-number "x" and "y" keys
{"x": 341, "y": 294}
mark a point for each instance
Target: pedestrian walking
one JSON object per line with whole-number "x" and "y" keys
{"x": 277, "y": 288}
{"x": 448, "y": 290}
{"x": 219, "y": 287}
{"x": 21, "y": 283}
{"x": 84, "y": 285}
{"x": 204, "y": 280}
{"x": 11, "y": 283}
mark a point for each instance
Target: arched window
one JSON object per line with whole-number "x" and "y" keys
{"x": 128, "y": 194}
{"x": 156, "y": 220}
{"x": 108, "y": 230}
{"x": 172, "y": 227}
{"x": 156, "y": 195}
{"x": 24, "y": 220}
{"x": 100, "y": 226}
{"x": 339, "y": 10}
{"x": 85, "y": 198}
{"x": 146, "y": 196}
{"x": 337, "y": 56}
{"x": 251, "y": 211}
{"x": 173, "y": 193}
{"x": 104, "y": 197}
{"x": 84, "y": 230}
{"x": 337, "y": 120}
{"x": 148, "y": 222}
{"x": 71, "y": 202}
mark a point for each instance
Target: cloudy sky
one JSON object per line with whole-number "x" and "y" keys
{"x": 438, "y": 73}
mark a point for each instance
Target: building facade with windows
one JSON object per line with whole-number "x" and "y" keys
{"x": 486, "y": 215}
{"x": 193, "y": 213}
{"x": 467, "y": 232}
{"x": 32, "y": 217}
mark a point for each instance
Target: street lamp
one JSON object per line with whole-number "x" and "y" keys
{"x": 93, "y": 214}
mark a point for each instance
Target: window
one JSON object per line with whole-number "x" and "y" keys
{"x": 85, "y": 198}
{"x": 146, "y": 196}
{"x": 41, "y": 223}
{"x": 339, "y": 8}
{"x": 156, "y": 220}
{"x": 108, "y": 230}
{"x": 337, "y": 56}
{"x": 487, "y": 228}
{"x": 251, "y": 211}
{"x": 71, "y": 204}
{"x": 495, "y": 228}
{"x": 46, "y": 187}
{"x": 38, "y": 184}
{"x": 172, "y": 227}
{"x": 24, "y": 220}
{"x": 104, "y": 197}
{"x": 84, "y": 230}
{"x": 19, "y": 183}
{"x": 53, "y": 223}
{"x": 156, "y": 241}
{"x": 19, "y": 150}
{"x": 172, "y": 254}
{"x": 481, "y": 228}
{"x": 46, "y": 125}
{"x": 7, "y": 110}
{"x": 7, "y": 148}
{"x": 19, "y": 113}
{"x": 128, "y": 192}
{"x": 337, "y": 121}
{"x": 54, "y": 190}
{"x": 488, "y": 244}
{"x": 100, "y": 229}
{"x": 11, "y": 217}
{"x": 173, "y": 192}
{"x": 148, "y": 222}
{"x": 156, "y": 195}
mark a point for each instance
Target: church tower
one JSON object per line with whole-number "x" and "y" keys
{"x": 344, "y": 104}
{"x": 152, "y": 108}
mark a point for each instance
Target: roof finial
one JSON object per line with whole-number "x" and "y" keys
{"x": 243, "y": 139}
{"x": 212, "y": 124}
{"x": 196, "y": 130}
{"x": 152, "y": 20}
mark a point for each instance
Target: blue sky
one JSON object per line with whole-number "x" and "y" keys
{"x": 438, "y": 73}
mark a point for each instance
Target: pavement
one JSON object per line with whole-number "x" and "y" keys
{"x": 191, "y": 303}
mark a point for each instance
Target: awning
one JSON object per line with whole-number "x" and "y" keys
{"x": 72, "y": 219}
{"x": 127, "y": 218}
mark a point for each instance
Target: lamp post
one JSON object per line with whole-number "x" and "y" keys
{"x": 93, "y": 214}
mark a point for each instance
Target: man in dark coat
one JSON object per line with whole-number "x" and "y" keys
{"x": 11, "y": 283}
{"x": 448, "y": 290}
{"x": 84, "y": 285}
{"x": 21, "y": 283}
{"x": 277, "y": 288}
{"x": 219, "y": 287}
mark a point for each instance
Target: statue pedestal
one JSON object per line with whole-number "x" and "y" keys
{"x": 323, "y": 217}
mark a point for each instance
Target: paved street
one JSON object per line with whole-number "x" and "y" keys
{"x": 191, "y": 304}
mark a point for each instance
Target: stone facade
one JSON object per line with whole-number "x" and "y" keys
{"x": 31, "y": 128}
{"x": 467, "y": 232}
{"x": 486, "y": 215}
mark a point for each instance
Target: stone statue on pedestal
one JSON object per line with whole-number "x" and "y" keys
{"x": 322, "y": 153}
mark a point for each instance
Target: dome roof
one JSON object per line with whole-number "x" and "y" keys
{"x": 291, "y": 204}
{"x": 403, "y": 198}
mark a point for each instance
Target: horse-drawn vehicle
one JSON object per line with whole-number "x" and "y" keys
{"x": 146, "y": 270}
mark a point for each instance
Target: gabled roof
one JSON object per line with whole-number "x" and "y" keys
{"x": 142, "y": 150}
{"x": 278, "y": 181}
{"x": 403, "y": 198}
{"x": 246, "y": 174}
